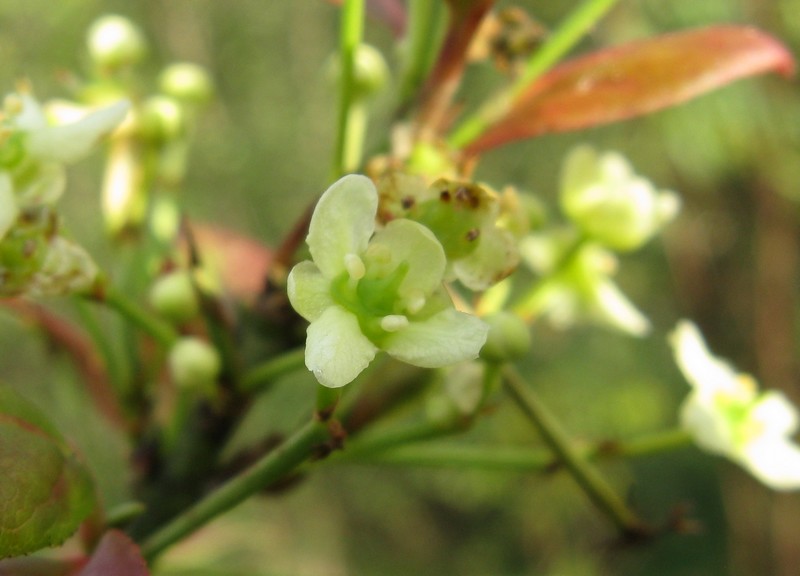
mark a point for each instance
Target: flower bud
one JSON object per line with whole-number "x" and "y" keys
{"x": 194, "y": 364}
{"x": 114, "y": 42}
{"x": 370, "y": 73}
{"x": 509, "y": 338}
{"x": 173, "y": 297}
{"x": 162, "y": 119}
{"x": 610, "y": 203}
{"x": 187, "y": 82}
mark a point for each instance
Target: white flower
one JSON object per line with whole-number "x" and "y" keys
{"x": 726, "y": 414}
{"x": 367, "y": 291}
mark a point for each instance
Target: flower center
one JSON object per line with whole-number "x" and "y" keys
{"x": 371, "y": 294}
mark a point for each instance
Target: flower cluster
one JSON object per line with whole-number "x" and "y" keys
{"x": 34, "y": 258}
{"x": 369, "y": 290}
{"x": 726, "y": 414}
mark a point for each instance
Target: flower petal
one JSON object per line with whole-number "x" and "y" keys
{"x": 8, "y": 205}
{"x": 411, "y": 242}
{"x": 707, "y": 425}
{"x": 775, "y": 414}
{"x": 705, "y": 372}
{"x": 443, "y": 339}
{"x": 309, "y": 291}
{"x": 343, "y": 222}
{"x": 613, "y": 308}
{"x": 336, "y": 350}
{"x": 71, "y": 142}
{"x": 494, "y": 259}
{"x": 774, "y": 461}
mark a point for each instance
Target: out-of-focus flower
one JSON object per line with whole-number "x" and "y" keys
{"x": 578, "y": 286}
{"x": 34, "y": 259}
{"x": 612, "y": 205}
{"x": 726, "y": 414}
{"x": 367, "y": 291}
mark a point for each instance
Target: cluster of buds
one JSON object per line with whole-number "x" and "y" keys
{"x": 34, "y": 257}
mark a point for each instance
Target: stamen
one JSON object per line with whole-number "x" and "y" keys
{"x": 394, "y": 322}
{"x": 415, "y": 302}
{"x": 354, "y": 266}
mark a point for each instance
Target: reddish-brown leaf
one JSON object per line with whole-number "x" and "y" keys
{"x": 635, "y": 79}
{"x": 118, "y": 555}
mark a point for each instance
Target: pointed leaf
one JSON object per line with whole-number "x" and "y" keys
{"x": 635, "y": 79}
{"x": 45, "y": 492}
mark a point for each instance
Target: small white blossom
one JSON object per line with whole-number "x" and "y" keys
{"x": 726, "y": 414}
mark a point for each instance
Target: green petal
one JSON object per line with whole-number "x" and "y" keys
{"x": 336, "y": 350}
{"x": 71, "y": 142}
{"x": 413, "y": 243}
{"x": 8, "y": 205}
{"x": 495, "y": 258}
{"x": 309, "y": 291}
{"x": 443, "y": 339}
{"x": 343, "y": 223}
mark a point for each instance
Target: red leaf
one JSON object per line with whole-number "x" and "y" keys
{"x": 635, "y": 79}
{"x": 118, "y": 555}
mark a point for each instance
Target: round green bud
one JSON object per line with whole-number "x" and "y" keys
{"x": 162, "y": 119}
{"x": 370, "y": 73}
{"x": 509, "y": 338}
{"x": 187, "y": 82}
{"x": 173, "y": 296}
{"x": 194, "y": 363}
{"x": 114, "y": 41}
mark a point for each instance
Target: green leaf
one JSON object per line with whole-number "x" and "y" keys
{"x": 635, "y": 79}
{"x": 45, "y": 491}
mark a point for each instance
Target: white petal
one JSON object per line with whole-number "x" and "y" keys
{"x": 776, "y": 414}
{"x": 775, "y": 462}
{"x": 411, "y": 242}
{"x": 336, "y": 350}
{"x": 708, "y": 427}
{"x": 8, "y": 205}
{"x": 614, "y": 308}
{"x": 443, "y": 339}
{"x": 343, "y": 222}
{"x": 32, "y": 116}
{"x": 309, "y": 291}
{"x": 705, "y": 372}
{"x": 71, "y": 142}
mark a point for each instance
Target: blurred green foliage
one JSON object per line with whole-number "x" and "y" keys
{"x": 263, "y": 152}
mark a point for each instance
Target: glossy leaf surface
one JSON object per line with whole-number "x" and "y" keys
{"x": 635, "y": 79}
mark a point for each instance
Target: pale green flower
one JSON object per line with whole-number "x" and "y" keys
{"x": 610, "y": 203}
{"x": 367, "y": 291}
{"x": 33, "y": 151}
{"x": 726, "y": 414}
{"x": 577, "y": 287}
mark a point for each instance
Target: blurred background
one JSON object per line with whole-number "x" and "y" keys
{"x": 730, "y": 262}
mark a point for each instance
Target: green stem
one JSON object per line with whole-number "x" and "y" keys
{"x": 260, "y": 475}
{"x": 516, "y": 459}
{"x": 155, "y": 327}
{"x": 587, "y": 477}
{"x": 424, "y": 20}
{"x": 259, "y": 378}
{"x": 351, "y": 32}
{"x": 561, "y": 41}
{"x": 371, "y": 443}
